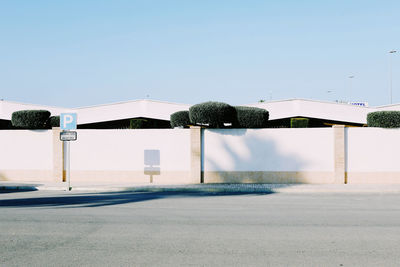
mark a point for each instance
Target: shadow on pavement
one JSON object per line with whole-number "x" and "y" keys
{"x": 6, "y": 188}
{"x": 7, "y": 191}
{"x": 109, "y": 198}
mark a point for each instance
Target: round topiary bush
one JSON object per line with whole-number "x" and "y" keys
{"x": 212, "y": 114}
{"x": 299, "y": 122}
{"x": 384, "y": 119}
{"x": 180, "y": 119}
{"x": 30, "y": 119}
{"x": 251, "y": 117}
{"x": 53, "y": 121}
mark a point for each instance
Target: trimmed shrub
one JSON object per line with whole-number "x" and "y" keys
{"x": 53, "y": 121}
{"x": 299, "y": 123}
{"x": 180, "y": 119}
{"x": 30, "y": 119}
{"x": 212, "y": 114}
{"x": 251, "y": 117}
{"x": 384, "y": 119}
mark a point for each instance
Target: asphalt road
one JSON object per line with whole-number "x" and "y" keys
{"x": 197, "y": 229}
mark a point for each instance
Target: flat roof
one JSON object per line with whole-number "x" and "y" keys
{"x": 278, "y": 109}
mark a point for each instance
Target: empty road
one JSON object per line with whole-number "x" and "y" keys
{"x": 198, "y": 229}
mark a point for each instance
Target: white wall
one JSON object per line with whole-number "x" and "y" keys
{"x": 373, "y": 150}
{"x": 124, "y": 150}
{"x": 230, "y": 155}
{"x": 26, "y": 150}
{"x": 285, "y": 150}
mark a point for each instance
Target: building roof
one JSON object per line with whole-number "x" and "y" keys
{"x": 324, "y": 110}
{"x": 315, "y": 109}
{"x": 129, "y": 109}
{"x": 388, "y": 107}
{"x": 8, "y": 107}
{"x": 107, "y": 112}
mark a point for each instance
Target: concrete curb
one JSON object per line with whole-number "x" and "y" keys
{"x": 211, "y": 188}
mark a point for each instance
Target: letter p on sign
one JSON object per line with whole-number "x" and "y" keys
{"x": 68, "y": 121}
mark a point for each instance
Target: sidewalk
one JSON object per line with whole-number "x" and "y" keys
{"x": 206, "y": 188}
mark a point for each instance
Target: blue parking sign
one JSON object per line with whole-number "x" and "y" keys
{"x": 68, "y": 121}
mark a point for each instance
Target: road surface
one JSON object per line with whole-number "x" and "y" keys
{"x": 198, "y": 229}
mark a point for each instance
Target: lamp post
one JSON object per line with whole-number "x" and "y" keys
{"x": 351, "y": 77}
{"x": 390, "y": 74}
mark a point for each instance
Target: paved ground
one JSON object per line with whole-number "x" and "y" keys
{"x": 198, "y": 229}
{"x": 238, "y": 188}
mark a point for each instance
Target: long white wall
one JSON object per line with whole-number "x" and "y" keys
{"x": 373, "y": 149}
{"x": 228, "y": 155}
{"x": 133, "y": 154}
{"x": 26, "y": 150}
{"x": 26, "y": 154}
{"x": 249, "y": 153}
{"x": 268, "y": 150}
{"x": 373, "y": 154}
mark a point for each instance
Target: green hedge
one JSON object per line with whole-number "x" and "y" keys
{"x": 212, "y": 114}
{"x": 251, "y": 117}
{"x": 30, "y": 119}
{"x": 384, "y": 119}
{"x": 53, "y": 121}
{"x": 299, "y": 123}
{"x": 180, "y": 119}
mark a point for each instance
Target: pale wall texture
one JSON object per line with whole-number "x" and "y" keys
{"x": 268, "y": 155}
{"x": 26, "y": 155}
{"x": 159, "y": 156}
{"x": 373, "y": 155}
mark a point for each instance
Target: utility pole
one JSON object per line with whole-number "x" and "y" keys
{"x": 390, "y": 74}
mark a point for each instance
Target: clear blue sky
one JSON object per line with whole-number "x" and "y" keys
{"x": 78, "y": 53}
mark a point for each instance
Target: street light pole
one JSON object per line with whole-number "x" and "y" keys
{"x": 390, "y": 74}
{"x": 351, "y": 77}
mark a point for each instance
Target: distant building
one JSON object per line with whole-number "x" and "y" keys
{"x": 137, "y": 114}
{"x": 319, "y": 113}
{"x": 156, "y": 114}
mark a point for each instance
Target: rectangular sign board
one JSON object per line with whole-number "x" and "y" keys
{"x": 68, "y": 136}
{"x": 361, "y": 104}
{"x": 68, "y": 121}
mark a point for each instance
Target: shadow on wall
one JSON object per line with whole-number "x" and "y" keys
{"x": 241, "y": 156}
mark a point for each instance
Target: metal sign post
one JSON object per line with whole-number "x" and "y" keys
{"x": 67, "y": 165}
{"x": 66, "y": 137}
{"x": 67, "y": 123}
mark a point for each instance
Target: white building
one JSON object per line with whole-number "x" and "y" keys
{"x": 119, "y": 115}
